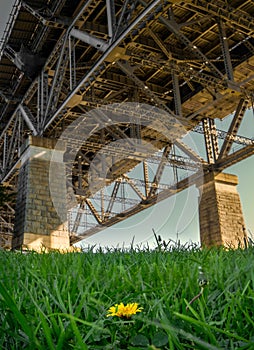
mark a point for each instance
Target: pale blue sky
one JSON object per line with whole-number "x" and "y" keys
{"x": 5, "y": 9}
{"x": 177, "y": 215}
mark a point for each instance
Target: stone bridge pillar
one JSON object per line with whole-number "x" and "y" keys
{"x": 220, "y": 212}
{"x": 37, "y": 224}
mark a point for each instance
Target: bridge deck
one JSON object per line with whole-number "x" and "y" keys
{"x": 191, "y": 59}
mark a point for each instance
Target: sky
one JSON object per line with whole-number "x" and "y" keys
{"x": 5, "y": 10}
{"x": 176, "y": 217}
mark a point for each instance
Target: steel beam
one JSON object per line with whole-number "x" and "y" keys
{"x": 177, "y": 95}
{"x": 99, "y": 44}
{"x": 27, "y": 116}
{"x": 234, "y": 157}
{"x": 72, "y": 63}
{"x": 146, "y": 178}
{"x": 111, "y": 18}
{"x": 225, "y": 51}
{"x": 233, "y": 128}
{"x": 242, "y": 20}
{"x": 159, "y": 171}
{"x": 93, "y": 210}
{"x": 55, "y": 24}
{"x": 55, "y": 89}
{"x": 133, "y": 186}
{"x": 188, "y": 151}
{"x": 42, "y": 100}
{"x": 174, "y": 28}
{"x": 160, "y": 43}
{"x": 128, "y": 70}
{"x": 101, "y": 60}
{"x": 211, "y": 142}
{"x": 112, "y": 199}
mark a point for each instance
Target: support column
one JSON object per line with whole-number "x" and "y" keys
{"x": 220, "y": 213}
{"x": 37, "y": 225}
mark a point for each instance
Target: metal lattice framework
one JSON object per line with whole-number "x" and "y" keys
{"x": 193, "y": 60}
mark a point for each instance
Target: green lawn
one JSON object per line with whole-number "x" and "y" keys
{"x": 61, "y": 301}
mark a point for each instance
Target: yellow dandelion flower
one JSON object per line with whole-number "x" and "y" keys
{"x": 124, "y": 311}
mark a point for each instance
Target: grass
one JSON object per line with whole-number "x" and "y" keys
{"x": 59, "y": 301}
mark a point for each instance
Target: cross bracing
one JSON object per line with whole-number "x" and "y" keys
{"x": 191, "y": 60}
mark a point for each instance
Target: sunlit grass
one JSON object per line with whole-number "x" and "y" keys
{"x": 61, "y": 301}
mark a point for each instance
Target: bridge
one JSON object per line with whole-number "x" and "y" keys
{"x": 100, "y": 102}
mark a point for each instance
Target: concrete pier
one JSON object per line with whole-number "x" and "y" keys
{"x": 220, "y": 212}
{"x": 37, "y": 224}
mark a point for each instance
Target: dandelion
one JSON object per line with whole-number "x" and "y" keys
{"x": 124, "y": 311}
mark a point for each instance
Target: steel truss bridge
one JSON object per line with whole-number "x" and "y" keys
{"x": 187, "y": 63}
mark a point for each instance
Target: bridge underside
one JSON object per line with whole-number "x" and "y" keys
{"x": 121, "y": 83}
